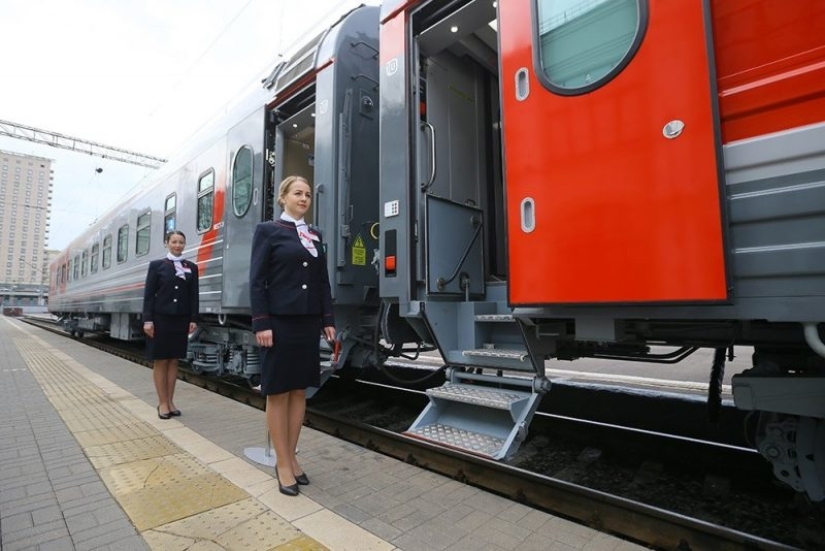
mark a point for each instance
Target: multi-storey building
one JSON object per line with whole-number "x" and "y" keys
{"x": 25, "y": 204}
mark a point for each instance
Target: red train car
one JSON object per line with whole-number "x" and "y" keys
{"x": 603, "y": 176}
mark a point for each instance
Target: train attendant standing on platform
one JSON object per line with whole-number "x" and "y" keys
{"x": 170, "y": 314}
{"x": 291, "y": 307}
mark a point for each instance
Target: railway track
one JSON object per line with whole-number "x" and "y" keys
{"x": 661, "y": 491}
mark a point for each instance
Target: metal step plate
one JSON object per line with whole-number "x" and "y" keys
{"x": 520, "y": 355}
{"x": 480, "y": 396}
{"x": 474, "y": 442}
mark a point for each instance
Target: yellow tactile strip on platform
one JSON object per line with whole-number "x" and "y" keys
{"x": 174, "y": 500}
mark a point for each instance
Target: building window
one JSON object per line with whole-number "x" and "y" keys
{"x": 583, "y": 46}
{"x": 144, "y": 227}
{"x": 123, "y": 243}
{"x": 169, "y": 208}
{"x": 95, "y": 257}
{"x": 206, "y": 189}
{"x": 107, "y": 251}
{"x": 242, "y": 181}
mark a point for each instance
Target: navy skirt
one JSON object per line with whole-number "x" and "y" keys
{"x": 293, "y": 362}
{"x": 171, "y": 338}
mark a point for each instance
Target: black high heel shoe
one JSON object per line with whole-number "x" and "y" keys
{"x": 163, "y": 415}
{"x": 302, "y": 479}
{"x": 291, "y": 490}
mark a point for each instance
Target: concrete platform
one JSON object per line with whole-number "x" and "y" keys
{"x": 85, "y": 463}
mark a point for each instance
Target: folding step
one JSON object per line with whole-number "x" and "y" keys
{"x": 483, "y": 419}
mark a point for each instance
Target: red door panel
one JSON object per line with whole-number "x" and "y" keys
{"x": 622, "y": 213}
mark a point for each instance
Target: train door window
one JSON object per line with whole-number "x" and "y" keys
{"x": 242, "y": 181}
{"x": 123, "y": 243}
{"x": 107, "y": 252}
{"x": 206, "y": 190}
{"x": 84, "y": 263}
{"x": 144, "y": 227}
{"x": 76, "y": 268}
{"x": 582, "y": 46}
{"x": 169, "y": 208}
{"x": 95, "y": 258}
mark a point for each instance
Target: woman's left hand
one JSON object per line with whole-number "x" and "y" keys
{"x": 192, "y": 327}
{"x": 329, "y": 333}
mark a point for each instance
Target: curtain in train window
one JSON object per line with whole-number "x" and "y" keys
{"x": 144, "y": 226}
{"x": 169, "y": 208}
{"x": 206, "y": 187}
{"x": 242, "y": 181}
{"x": 107, "y": 251}
{"x": 585, "y": 43}
{"x": 122, "y": 243}
{"x": 95, "y": 257}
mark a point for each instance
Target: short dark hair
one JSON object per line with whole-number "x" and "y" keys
{"x": 173, "y": 232}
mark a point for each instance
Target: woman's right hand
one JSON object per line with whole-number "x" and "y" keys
{"x": 149, "y": 329}
{"x": 264, "y": 338}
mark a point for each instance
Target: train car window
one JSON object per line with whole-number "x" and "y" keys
{"x": 76, "y": 268}
{"x": 107, "y": 251}
{"x": 84, "y": 263}
{"x": 242, "y": 181}
{"x": 95, "y": 258}
{"x": 144, "y": 227}
{"x": 63, "y": 274}
{"x": 582, "y": 45}
{"x": 71, "y": 266}
{"x": 206, "y": 188}
{"x": 123, "y": 243}
{"x": 169, "y": 208}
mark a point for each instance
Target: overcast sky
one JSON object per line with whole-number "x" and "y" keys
{"x": 141, "y": 75}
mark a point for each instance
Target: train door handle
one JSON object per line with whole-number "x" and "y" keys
{"x": 522, "y": 84}
{"x": 528, "y": 215}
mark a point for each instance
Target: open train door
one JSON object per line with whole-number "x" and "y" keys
{"x": 612, "y": 152}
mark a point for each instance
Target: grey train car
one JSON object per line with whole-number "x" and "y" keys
{"x": 316, "y": 116}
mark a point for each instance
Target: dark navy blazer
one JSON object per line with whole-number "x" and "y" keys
{"x": 284, "y": 278}
{"x": 167, "y": 294}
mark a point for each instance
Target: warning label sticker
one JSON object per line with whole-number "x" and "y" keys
{"x": 359, "y": 252}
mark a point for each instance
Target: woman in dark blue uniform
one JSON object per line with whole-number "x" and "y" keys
{"x": 170, "y": 313}
{"x": 291, "y": 307}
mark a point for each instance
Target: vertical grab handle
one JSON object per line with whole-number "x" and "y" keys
{"x": 528, "y": 215}
{"x": 426, "y": 185}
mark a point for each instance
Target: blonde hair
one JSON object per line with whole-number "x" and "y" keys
{"x": 283, "y": 189}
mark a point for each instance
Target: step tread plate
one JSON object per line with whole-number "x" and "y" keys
{"x": 497, "y": 353}
{"x": 473, "y": 442}
{"x": 494, "y": 317}
{"x": 481, "y": 396}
